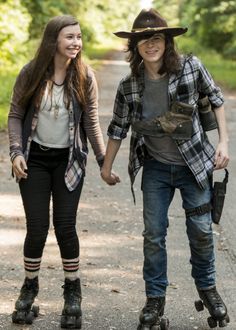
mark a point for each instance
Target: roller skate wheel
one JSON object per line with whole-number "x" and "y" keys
{"x": 155, "y": 327}
{"x": 18, "y": 317}
{"x": 212, "y": 322}
{"x": 63, "y": 321}
{"x": 35, "y": 310}
{"x": 71, "y": 322}
{"x": 199, "y": 305}
{"x": 29, "y": 317}
{"x": 164, "y": 323}
{"x": 227, "y": 318}
{"x": 78, "y": 322}
{"x": 222, "y": 323}
{"x": 14, "y": 317}
{"x": 144, "y": 327}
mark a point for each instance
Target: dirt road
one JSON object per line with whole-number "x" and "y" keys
{"x": 110, "y": 231}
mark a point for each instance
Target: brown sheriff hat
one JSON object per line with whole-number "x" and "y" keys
{"x": 149, "y": 21}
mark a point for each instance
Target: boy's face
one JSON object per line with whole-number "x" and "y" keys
{"x": 152, "y": 48}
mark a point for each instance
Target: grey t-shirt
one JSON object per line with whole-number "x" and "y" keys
{"x": 156, "y": 103}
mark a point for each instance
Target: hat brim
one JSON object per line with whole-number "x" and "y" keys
{"x": 174, "y": 32}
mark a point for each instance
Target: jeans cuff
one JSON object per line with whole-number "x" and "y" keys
{"x": 207, "y": 288}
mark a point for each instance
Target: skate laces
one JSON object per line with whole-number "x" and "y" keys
{"x": 215, "y": 297}
{"x": 71, "y": 291}
{"x": 153, "y": 304}
{"x": 30, "y": 285}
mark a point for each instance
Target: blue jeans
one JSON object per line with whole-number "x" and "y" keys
{"x": 158, "y": 185}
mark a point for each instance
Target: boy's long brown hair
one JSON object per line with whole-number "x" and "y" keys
{"x": 41, "y": 68}
{"x": 171, "y": 58}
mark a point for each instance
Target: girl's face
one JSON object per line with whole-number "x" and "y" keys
{"x": 152, "y": 49}
{"x": 69, "y": 41}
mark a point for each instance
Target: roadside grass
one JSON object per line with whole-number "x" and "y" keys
{"x": 222, "y": 70}
{"x": 7, "y": 78}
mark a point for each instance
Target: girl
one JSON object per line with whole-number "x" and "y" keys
{"x": 54, "y": 108}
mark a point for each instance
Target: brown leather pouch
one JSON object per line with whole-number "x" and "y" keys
{"x": 177, "y": 122}
{"x": 206, "y": 114}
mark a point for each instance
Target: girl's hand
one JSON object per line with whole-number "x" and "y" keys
{"x": 19, "y": 167}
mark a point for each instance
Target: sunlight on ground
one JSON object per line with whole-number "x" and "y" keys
{"x": 11, "y": 205}
{"x": 11, "y": 237}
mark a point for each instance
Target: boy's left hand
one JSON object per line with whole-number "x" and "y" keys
{"x": 221, "y": 156}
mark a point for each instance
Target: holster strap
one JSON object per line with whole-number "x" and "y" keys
{"x": 199, "y": 210}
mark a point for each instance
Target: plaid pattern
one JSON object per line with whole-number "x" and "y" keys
{"x": 197, "y": 152}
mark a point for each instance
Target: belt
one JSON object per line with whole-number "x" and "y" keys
{"x": 37, "y": 146}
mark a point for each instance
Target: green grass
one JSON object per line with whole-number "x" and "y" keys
{"x": 222, "y": 70}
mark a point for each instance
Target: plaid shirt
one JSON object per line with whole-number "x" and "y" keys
{"x": 197, "y": 152}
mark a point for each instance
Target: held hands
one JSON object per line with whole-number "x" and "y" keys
{"x": 109, "y": 177}
{"x": 221, "y": 156}
{"x": 19, "y": 167}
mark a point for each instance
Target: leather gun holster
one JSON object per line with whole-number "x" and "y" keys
{"x": 218, "y": 198}
{"x": 177, "y": 122}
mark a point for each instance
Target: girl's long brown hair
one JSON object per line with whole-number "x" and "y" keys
{"x": 171, "y": 58}
{"x": 41, "y": 68}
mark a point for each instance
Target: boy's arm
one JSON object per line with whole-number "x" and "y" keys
{"x": 221, "y": 155}
{"x": 107, "y": 175}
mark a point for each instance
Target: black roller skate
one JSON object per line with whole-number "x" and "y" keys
{"x": 24, "y": 311}
{"x": 71, "y": 315}
{"x": 151, "y": 316}
{"x": 215, "y": 305}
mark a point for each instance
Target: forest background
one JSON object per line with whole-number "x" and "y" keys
{"x": 211, "y": 34}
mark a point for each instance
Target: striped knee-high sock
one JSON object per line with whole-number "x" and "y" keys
{"x": 32, "y": 267}
{"x": 71, "y": 268}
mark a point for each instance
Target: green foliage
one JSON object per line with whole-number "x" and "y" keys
{"x": 97, "y": 21}
{"x": 7, "y": 79}
{"x": 169, "y": 9}
{"x": 42, "y": 10}
{"x": 223, "y": 70}
{"x": 212, "y": 22}
{"x": 14, "y": 24}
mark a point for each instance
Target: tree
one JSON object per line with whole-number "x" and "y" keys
{"x": 213, "y": 23}
{"x": 14, "y": 25}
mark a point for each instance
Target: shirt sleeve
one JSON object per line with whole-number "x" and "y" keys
{"x": 120, "y": 123}
{"x": 207, "y": 86}
{"x": 91, "y": 120}
{"x": 16, "y": 115}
